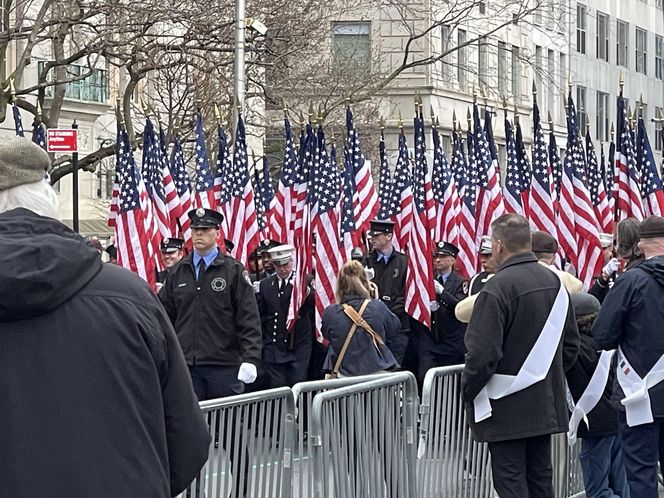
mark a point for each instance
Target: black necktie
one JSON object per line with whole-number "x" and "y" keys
{"x": 201, "y": 269}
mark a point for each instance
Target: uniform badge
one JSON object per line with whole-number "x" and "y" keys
{"x": 218, "y": 284}
{"x": 464, "y": 286}
{"x": 246, "y": 276}
{"x": 200, "y": 212}
{"x": 166, "y": 241}
{"x": 395, "y": 274}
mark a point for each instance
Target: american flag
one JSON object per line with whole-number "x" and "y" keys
{"x": 241, "y": 209}
{"x": 493, "y": 150}
{"x": 347, "y": 211}
{"x": 419, "y": 281}
{"x": 365, "y": 200}
{"x": 222, "y": 183}
{"x": 183, "y": 188}
{"x": 445, "y": 194}
{"x": 515, "y": 182}
{"x": 39, "y": 134}
{"x": 386, "y": 199}
{"x": 597, "y": 189}
{"x": 284, "y": 207}
{"x": 265, "y": 200}
{"x": 540, "y": 200}
{"x": 133, "y": 230}
{"x": 152, "y": 173}
{"x": 489, "y": 197}
{"x": 467, "y": 258}
{"x": 18, "y": 122}
{"x": 556, "y": 169}
{"x": 579, "y": 223}
{"x": 402, "y": 197}
{"x": 170, "y": 190}
{"x": 524, "y": 165}
{"x": 115, "y": 193}
{"x": 328, "y": 257}
{"x": 628, "y": 199}
{"x": 302, "y": 234}
{"x": 651, "y": 184}
{"x": 204, "y": 197}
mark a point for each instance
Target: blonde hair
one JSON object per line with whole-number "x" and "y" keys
{"x": 352, "y": 281}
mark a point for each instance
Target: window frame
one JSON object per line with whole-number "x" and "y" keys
{"x": 624, "y": 48}
{"x": 602, "y": 112}
{"x": 581, "y": 27}
{"x": 602, "y": 45}
{"x": 641, "y": 55}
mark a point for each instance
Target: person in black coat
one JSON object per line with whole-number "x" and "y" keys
{"x": 443, "y": 344}
{"x": 285, "y": 353}
{"x": 210, "y": 301}
{"x": 365, "y": 353}
{"x": 96, "y": 397}
{"x": 601, "y": 452}
{"x": 390, "y": 267}
{"x": 508, "y": 319}
{"x": 631, "y": 318}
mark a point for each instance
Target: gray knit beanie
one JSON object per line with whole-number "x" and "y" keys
{"x": 21, "y": 162}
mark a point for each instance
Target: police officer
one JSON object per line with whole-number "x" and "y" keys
{"x": 209, "y": 299}
{"x": 443, "y": 344}
{"x": 390, "y": 266}
{"x": 171, "y": 249}
{"x": 285, "y": 353}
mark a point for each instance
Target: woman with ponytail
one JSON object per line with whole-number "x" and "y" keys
{"x": 359, "y": 327}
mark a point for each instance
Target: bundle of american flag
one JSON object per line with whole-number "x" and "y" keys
{"x": 322, "y": 205}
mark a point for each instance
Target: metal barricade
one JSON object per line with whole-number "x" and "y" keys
{"x": 251, "y": 450}
{"x": 304, "y": 393}
{"x": 450, "y": 462}
{"x": 363, "y": 438}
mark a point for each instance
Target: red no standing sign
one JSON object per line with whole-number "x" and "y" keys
{"x": 62, "y": 140}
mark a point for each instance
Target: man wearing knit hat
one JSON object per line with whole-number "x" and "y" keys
{"x": 76, "y": 420}
{"x": 631, "y": 319}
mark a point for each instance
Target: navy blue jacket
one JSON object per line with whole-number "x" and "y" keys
{"x": 96, "y": 396}
{"x": 280, "y": 345}
{"x": 361, "y": 357}
{"x": 632, "y": 317}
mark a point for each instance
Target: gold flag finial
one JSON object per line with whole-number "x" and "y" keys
{"x": 613, "y": 132}
{"x": 217, "y": 113}
{"x": 468, "y": 117}
{"x": 454, "y": 120}
{"x": 621, "y": 81}
{"x": 382, "y": 123}
{"x": 400, "y": 121}
{"x": 474, "y": 92}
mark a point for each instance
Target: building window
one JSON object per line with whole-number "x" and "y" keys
{"x": 516, "y": 72}
{"x": 462, "y": 62}
{"x": 445, "y": 35}
{"x": 659, "y": 56}
{"x": 551, "y": 71}
{"x": 622, "y": 43}
{"x": 563, "y": 82}
{"x": 581, "y": 20}
{"x": 482, "y": 7}
{"x": 602, "y": 117}
{"x": 581, "y": 108}
{"x": 482, "y": 58}
{"x": 641, "y": 51}
{"x": 352, "y": 44}
{"x": 92, "y": 88}
{"x": 659, "y": 126}
{"x": 602, "y": 36}
{"x": 502, "y": 68}
{"x": 659, "y": 4}
{"x": 539, "y": 68}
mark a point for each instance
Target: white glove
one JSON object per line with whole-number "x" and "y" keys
{"x": 257, "y": 287}
{"x": 369, "y": 272}
{"x": 433, "y": 305}
{"x": 611, "y": 267}
{"x": 247, "y": 373}
{"x": 159, "y": 286}
{"x": 438, "y": 287}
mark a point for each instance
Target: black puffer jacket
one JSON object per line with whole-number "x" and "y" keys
{"x": 96, "y": 396}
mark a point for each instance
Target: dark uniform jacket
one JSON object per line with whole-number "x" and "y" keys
{"x": 603, "y": 419}
{"x": 601, "y": 286}
{"x": 280, "y": 345}
{"x": 217, "y": 318}
{"x": 96, "y": 396}
{"x": 391, "y": 281}
{"x": 507, "y": 319}
{"x": 477, "y": 282}
{"x": 632, "y": 317}
{"x": 446, "y": 334}
{"x": 361, "y": 357}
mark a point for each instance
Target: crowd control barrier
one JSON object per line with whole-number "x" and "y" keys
{"x": 252, "y": 444}
{"x": 451, "y": 464}
{"x": 363, "y": 439}
{"x": 304, "y": 393}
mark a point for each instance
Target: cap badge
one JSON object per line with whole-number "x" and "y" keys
{"x": 166, "y": 241}
{"x": 200, "y": 212}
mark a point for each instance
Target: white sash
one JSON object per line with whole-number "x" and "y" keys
{"x": 537, "y": 364}
{"x": 591, "y": 395}
{"x": 637, "y": 400}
